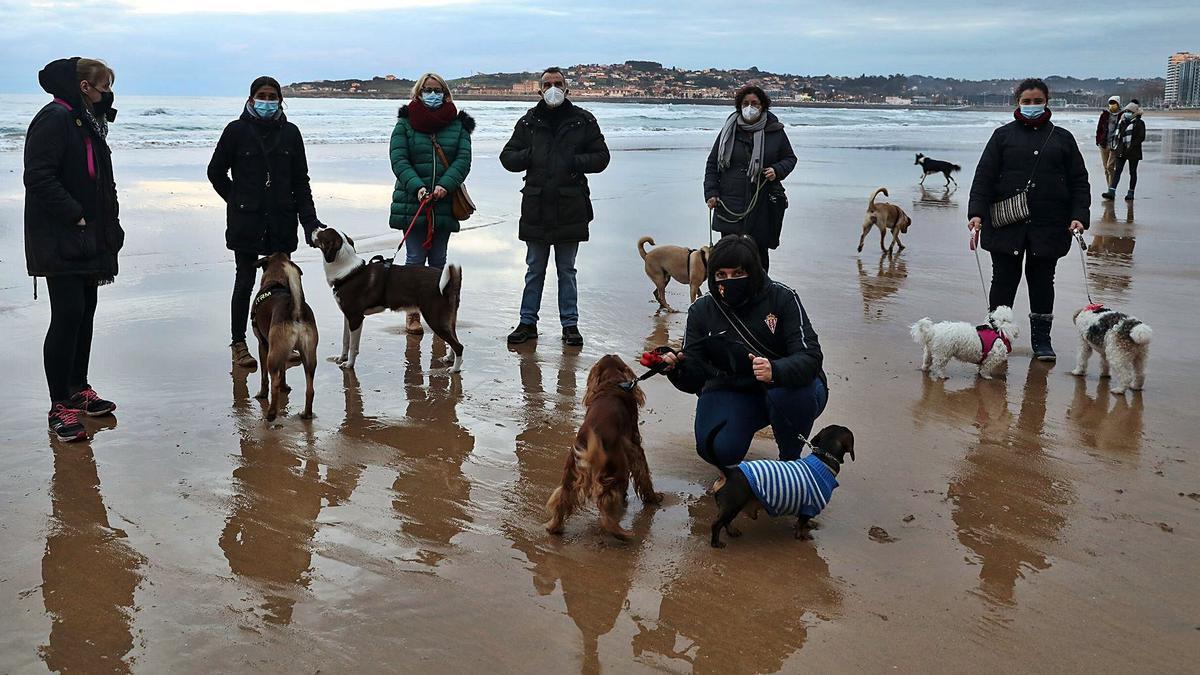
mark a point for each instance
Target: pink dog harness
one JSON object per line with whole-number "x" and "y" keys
{"x": 988, "y": 337}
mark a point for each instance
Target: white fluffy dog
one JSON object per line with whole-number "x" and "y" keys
{"x": 1123, "y": 343}
{"x": 987, "y": 346}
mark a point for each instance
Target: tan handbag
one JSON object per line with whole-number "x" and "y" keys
{"x": 461, "y": 204}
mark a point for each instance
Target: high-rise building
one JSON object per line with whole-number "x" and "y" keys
{"x": 1171, "y": 96}
{"x": 1188, "y": 89}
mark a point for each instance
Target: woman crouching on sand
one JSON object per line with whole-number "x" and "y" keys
{"x": 269, "y": 192}
{"x": 72, "y": 229}
{"x": 431, "y": 156}
{"x": 743, "y": 176}
{"x": 1031, "y": 189}
{"x": 752, "y": 355}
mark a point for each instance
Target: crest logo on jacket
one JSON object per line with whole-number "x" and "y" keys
{"x": 772, "y": 321}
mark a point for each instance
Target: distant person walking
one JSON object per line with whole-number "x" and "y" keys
{"x": 1030, "y": 155}
{"x": 556, "y": 144}
{"x": 745, "y": 169}
{"x": 268, "y": 193}
{"x": 428, "y": 124}
{"x": 1106, "y": 130}
{"x": 72, "y": 228}
{"x": 1131, "y": 132}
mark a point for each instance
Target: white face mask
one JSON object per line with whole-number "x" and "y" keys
{"x": 554, "y": 96}
{"x": 750, "y": 113}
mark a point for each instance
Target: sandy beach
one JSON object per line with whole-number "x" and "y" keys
{"x": 1035, "y": 522}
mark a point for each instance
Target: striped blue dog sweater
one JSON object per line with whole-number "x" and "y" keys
{"x": 800, "y": 487}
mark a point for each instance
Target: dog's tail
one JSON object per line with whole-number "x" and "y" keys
{"x": 450, "y": 284}
{"x": 922, "y": 331}
{"x": 871, "y": 204}
{"x": 295, "y": 290}
{"x": 642, "y": 245}
{"x": 1141, "y": 334}
{"x": 955, "y": 167}
{"x": 708, "y": 454}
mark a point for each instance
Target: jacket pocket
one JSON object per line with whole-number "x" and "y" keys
{"x": 77, "y": 242}
{"x": 114, "y": 238}
{"x": 531, "y": 203}
{"x": 573, "y": 205}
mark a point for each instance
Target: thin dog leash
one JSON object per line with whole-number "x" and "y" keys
{"x": 1083, "y": 260}
{"x": 987, "y": 305}
{"x": 420, "y": 207}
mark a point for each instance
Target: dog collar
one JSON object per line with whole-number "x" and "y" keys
{"x": 266, "y": 294}
{"x": 349, "y": 275}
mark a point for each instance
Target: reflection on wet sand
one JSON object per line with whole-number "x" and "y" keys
{"x": 878, "y": 289}
{"x": 431, "y": 492}
{"x": 936, "y": 198}
{"x": 1009, "y": 497}
{"x": 1110, "y": 265}
{"x": 1105, "y": 421}
{"x": 700, "y": 619}
{"x": 268, "y": 537}
{"x": 660, "y": 334}
{"x": 89, "y": 573}
{"x": 1181, "y": 146}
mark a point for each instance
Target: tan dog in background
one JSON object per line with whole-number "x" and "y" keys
{"x": 885, "y": 217}
{"x": 283, "y": 322}
{"x": 663, "y": 263}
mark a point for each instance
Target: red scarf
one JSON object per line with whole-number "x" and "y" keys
{"x": 1035, "y": 122}
{"x": 430, "y": 121}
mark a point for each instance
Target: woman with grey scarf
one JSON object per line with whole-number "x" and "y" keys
{"x": 742, "y": 180}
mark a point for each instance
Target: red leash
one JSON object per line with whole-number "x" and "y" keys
{"x": 429, "y": 235}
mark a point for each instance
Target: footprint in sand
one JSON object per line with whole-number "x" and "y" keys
{"x": 880, "y": 535}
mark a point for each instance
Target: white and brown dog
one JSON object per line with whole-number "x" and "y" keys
{"x": 885, "y": 217}
{"x": 987, "y": 346}
{"x": 685, "y": 265}
{"x": 282, "y": 322}
{"x": 361, "y": 288}
{"x": 1123, "y": 343}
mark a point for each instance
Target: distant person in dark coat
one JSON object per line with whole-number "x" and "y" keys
{"x": 1131, "y": 133}
{"x": 72, "y": 228}
{"x": 1030, "y": 152}
{"x": 556, "y": 144}
{"x": 266, "y": 196}
{"x": 1106, "y": 129}
{"x": 744, "y": 172}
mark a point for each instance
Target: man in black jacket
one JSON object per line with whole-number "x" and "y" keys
{"x": 555, "y": 143}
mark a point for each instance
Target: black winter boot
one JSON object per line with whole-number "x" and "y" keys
{"x": 1039, "y": 336}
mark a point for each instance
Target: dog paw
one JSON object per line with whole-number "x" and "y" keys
{"x": 285, "y": 388}
{"x": 655, "y": 498}
{"x": 337, "y": 359}
{"x": 1079, "y": 372}
{"x": 346, "y": 365}
{"x": 733, "y": 532}
{"x": 986, "y": 376}
{"x": 804, "y": 535}
{"x": 554, "y": 528}
{"x": 307, "y": 416}
{"x": 262, "y": 395}
{"x": 1120, "y": 391}
{"x": 718, "y": 544}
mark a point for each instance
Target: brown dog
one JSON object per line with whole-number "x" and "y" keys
{"x": 361, "y": 288}
{"x": 663, "y": 263}
{"x": 885, "y": 217}
{"x": 283, "y": 322}
{"x": 607, "y": 452}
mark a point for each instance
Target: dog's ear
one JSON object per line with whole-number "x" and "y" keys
{"x": 349, "y": 240}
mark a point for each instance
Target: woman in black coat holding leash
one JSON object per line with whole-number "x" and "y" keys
{"x": 268, "y": 194}
{"x": 742, "y": 179}
{"x": 72, "y": 228}
{"x": 1030, "y": 155}
{"x": 752, "y": 356}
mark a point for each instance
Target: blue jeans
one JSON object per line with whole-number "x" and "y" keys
{"x": 790, "y": 412}
{"x": 537, "y": 257}
{"x": 415, "y": 253}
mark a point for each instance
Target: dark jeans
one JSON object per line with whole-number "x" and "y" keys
{"x": 243, "y": 289}
{"x": 537, "y": 257}
{"x": 790, "y": 412}
{"x": 1039, "y": 276}
{"x": 1116, "y": 179}
{"x": 415, "y": 253}
{"x": 68, "y": 346}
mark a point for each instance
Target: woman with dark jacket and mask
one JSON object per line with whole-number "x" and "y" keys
{"x": 1031, "y": 155}
{"x": 72, "y": 228}
{"x": 752, "y": 355}
{"x": 268, "y": 193}
{"x": 744, "y": 174}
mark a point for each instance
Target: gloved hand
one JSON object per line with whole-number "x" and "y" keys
{"x": 310, "y": 229}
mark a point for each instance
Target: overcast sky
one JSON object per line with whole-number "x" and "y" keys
{"x": 218, "y": 46}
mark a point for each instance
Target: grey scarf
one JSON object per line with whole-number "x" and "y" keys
{"x": 726, "y": 141}
{"x": 99, "y": 124}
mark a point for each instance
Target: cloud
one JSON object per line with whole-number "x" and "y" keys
{"x": 268, "y": 7}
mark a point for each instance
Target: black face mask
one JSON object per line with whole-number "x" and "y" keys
{"x": 104, "y": 107}
{"x": 734, "y": 292}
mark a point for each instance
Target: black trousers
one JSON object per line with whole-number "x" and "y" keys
{"x": 765, "y": 254}
{"x": 1132, "y": 173}
{"x": 243, "y": 289}
{"x": 1039, "y": 277}
{"x": 68, "y": 346}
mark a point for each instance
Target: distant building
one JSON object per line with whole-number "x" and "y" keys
{"x": 390, "y": 78}
{"x": 1171, "y": 96}
{"x": 897, "y": 100}
{"x": 1188, "y": 89}
{"x": 526, "y": 87}
{"x": 1058, "y": 103}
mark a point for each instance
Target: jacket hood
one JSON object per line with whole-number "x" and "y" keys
{"x": 467, "y": 121}
{"x": 59, "y": 80}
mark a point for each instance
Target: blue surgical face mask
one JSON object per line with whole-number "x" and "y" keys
{"x": 266, "y": 109}
{"x": 1030, "y": 112}
{"x": 433, "y": 99}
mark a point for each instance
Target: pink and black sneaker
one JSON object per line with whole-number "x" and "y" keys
{"x": 89, "y": 403}
{"x": 64, "y": 422}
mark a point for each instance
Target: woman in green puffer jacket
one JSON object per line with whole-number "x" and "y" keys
{"x": 428, "y": 118}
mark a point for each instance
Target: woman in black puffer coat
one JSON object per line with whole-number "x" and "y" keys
{"x": 1032, "y": 151}
{"x": 269, "y": 192}
{"x": 744, "y": 174}
{"x": 72, "y": 227}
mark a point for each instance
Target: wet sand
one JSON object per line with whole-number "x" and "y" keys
{"x": 1034, "y": 522}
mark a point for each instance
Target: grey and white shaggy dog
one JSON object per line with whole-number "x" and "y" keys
{"x": 1123, "y": 343}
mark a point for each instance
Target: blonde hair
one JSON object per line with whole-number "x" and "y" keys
{"x": 416, "y": 88}
{"x": 93, "y": 70}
